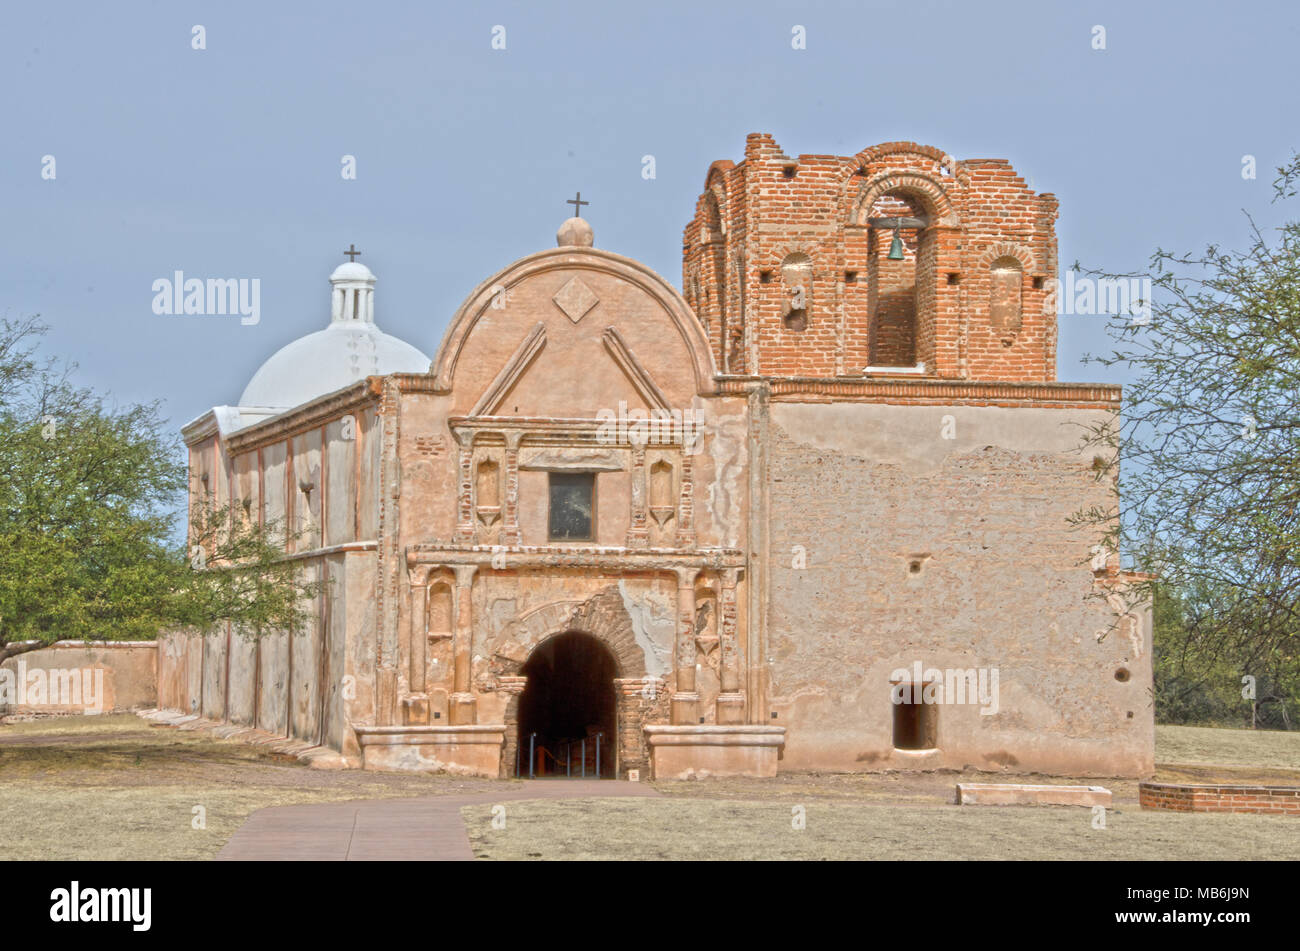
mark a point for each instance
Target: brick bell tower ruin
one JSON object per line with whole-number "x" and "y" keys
{"x": 787, "y": 261}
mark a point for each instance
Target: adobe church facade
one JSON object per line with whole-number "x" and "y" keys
{"x": 812, "y": 512}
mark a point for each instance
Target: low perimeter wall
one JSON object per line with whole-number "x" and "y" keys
{"x": 1186, "y": 797}
{"x": 81, "y": 677}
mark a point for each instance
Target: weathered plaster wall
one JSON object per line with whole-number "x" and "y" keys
{"x": 275, "y": 477}
{"x": 355, "y": 611}
{"x": 306, "y": 490}
{"x": 306, "y": 686}
{"x": 243, "y": 680}
{"x": 315, "y": 472}
{"x": 108, "y": 675}
{"x": 859, "y": 493}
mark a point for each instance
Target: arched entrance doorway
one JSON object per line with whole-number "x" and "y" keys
{"x": 568, "y": 708}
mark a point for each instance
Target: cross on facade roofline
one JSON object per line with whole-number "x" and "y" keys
{"x": 577, "y": 204}
{"x": 352, "y": 251}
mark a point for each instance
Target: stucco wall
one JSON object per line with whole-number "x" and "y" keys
{"x": 858, "y": 494}
{"x": 301, "y": 686}
{"x": 80, "y": 677}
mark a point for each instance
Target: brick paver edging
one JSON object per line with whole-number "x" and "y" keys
{"x": 1188, "y": 797}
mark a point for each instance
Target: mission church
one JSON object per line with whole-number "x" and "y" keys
{"x": 811, "y": 511}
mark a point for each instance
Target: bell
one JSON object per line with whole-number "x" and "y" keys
{"x": 896, "y": 247}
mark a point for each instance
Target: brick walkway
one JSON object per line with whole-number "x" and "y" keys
{"x": 420, "y": 828}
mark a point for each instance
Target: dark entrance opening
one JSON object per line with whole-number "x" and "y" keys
{"x": 916, "y": 723}
{"x": 567, "y": 708}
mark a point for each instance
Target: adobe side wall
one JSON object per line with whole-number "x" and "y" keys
{"x": 890, "y": 545}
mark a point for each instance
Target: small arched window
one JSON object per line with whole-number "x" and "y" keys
{"x": 796, "y": 275}
{"x": 1006, "y": 279}
{"x": 487, "y": 491}
{"x": 439, "y": 621}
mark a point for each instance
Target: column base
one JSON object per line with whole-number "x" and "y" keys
{"x": 685, "y": 708}
{"x": 730, "y": 709}
{"x": 697, "y": 752}
{"x": 386, "y": 704}
{"x": 415, "y": 710}
{"x": 463, "y": 750}
{"x": 463, "y": 709}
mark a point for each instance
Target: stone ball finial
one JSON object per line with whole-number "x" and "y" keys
{"x": 574, "y": 233}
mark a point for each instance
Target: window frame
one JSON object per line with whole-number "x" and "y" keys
{"x": 550, "y": 476}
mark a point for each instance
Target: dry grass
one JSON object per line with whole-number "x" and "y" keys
{"x": 1254, "y": 748}
{"x": 113, "y": 787}
{"x": 903, "y": 815}
{"x": 677, "y": 829}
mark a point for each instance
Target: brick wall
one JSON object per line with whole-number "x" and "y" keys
{"x": 1185, "y": 797}
{"x": 935, "y": 306}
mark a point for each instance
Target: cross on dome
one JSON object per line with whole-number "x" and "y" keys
{"x": 577, "y": 204}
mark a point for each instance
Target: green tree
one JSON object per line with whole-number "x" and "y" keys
{"x": 88, "y": 503}
{"x": 1209, "y": 459}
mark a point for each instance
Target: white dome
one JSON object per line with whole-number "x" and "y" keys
{"x": 351, "y": 348}
{"x": 352, "y": 271}
{"x": 329, "y": 360}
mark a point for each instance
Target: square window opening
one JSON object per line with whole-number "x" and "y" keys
{"x": 572, "y": 510}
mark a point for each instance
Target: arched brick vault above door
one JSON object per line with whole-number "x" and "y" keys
{"x": 603, "y": 616}
{"x": 638, "y": 698}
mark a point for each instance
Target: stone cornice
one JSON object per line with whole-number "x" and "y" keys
{"x": 929, "y": 392}
{"x": 546, "y": 430}
{"x": 342, "y": 548}
{"x": 308, "y": 416}
{"x": 588, "y": 556}
{"x": 205, "y": 427}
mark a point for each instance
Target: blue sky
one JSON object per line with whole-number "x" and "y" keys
{"x": 225, "y": 162}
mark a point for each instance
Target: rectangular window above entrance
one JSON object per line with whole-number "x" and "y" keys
{"x": 572, "y": 506}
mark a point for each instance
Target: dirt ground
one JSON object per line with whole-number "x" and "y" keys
{"x": 824, "y": 829}
{"x": 118, "y": 787}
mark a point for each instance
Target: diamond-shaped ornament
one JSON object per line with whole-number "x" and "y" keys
{"x": 575, "y": 299}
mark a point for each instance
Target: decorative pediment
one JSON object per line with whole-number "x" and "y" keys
{"x": 580, "y": 293}
{"x": 532, "y": 345}
{"x": 510, "y": 374}
{"x": 636, "y": 373}
{"x": 575, "y": 299}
